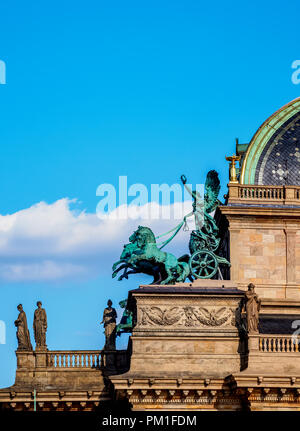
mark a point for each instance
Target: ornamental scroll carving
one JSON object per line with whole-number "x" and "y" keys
{"x": 187, "y": 316}
{"x": 159, "y": 316}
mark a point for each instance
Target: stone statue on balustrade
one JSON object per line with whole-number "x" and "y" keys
{"x": 23, "y": 335}
{"x": 109, "y": 321}
{"x": 251, "y": 304}
{"x": 40, "y": 327}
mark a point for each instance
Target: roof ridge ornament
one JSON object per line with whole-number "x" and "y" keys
{"x": 232, "y": 168}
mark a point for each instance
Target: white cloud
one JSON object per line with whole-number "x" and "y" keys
{"x": 54, "y": 241}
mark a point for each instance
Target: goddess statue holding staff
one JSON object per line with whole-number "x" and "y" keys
{"x": 198, "y": 205}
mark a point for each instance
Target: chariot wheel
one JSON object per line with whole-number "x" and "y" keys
{"x": 203, "y": 264}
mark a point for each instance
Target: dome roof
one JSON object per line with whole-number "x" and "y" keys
{"x": 273, "y": 155}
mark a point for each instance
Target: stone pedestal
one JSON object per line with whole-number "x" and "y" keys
{"x": 40, "y": 358}
{"x": 185, "y": 342}
{"x": 186, "y": 329}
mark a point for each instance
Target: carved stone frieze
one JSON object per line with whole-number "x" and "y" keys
{"x": 186, "y": 316}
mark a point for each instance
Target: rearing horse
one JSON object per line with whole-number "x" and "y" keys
{"x": 145, "y": 240}
{"x": 140, "y": 266}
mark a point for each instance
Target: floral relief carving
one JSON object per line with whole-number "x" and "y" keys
{"x": 158, "y": 316}
{"x": 187, "y": 316}
{"x": 207, "y": 317}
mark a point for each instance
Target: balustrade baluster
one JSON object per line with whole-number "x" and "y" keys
{"x": 274, "y": 344}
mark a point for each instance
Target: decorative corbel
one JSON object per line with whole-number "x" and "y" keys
{"x": 151, "y": 382}
{"x": 207, "y": 382}
{"x": 61, "y": 394}
{"x": 179, "y": 382}
{"x": 260, "y": 379}
{"x": 171, "y": 393}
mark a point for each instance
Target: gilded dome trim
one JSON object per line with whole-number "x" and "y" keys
{"x": 262, "y": 137}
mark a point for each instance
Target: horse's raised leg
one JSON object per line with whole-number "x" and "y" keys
{"x": 119, "y": 269}
{"x": 126, "y": 273}
{"x": 133, "y": 271}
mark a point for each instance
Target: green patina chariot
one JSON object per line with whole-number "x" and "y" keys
{"x": 144, "y": 255}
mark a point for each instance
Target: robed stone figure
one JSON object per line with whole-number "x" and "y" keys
{"x": 23, "y": 335}
{"x": 109, "y": 321}
{"x": 40, "y": 327}
{"x": 252, "y": 306}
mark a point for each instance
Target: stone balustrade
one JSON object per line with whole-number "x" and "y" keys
{"x": 69, "y": 367}
{"x": 258, "y": 194}
{"x": 279, "y": 343}
{"x": 68, "y": 359}
{"x": 75, "y": 358}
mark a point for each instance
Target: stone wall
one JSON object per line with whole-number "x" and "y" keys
{"x": 264, "y": 249}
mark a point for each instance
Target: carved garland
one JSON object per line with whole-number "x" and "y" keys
{"x": 186, "y": 316}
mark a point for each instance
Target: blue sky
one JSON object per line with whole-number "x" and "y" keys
{"x": 98, "y": 89}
